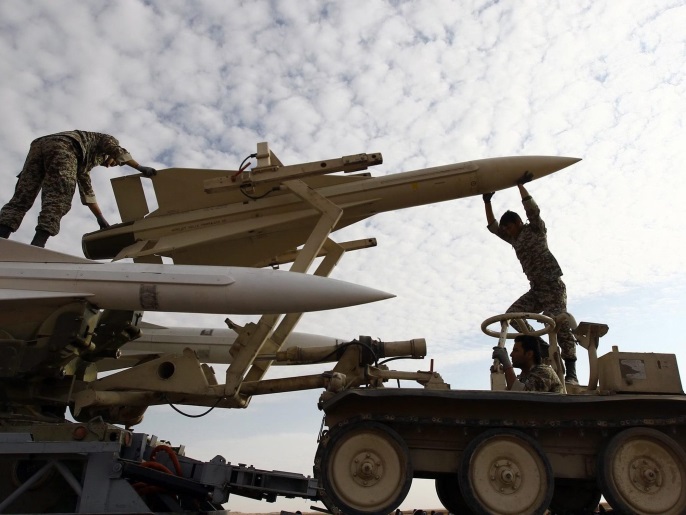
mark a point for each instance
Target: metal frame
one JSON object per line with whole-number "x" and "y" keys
{"x": 110, "y": 468}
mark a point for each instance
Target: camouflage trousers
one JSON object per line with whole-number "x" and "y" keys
{"x": 51, "y": 166}
{"x": 550, "y": 298}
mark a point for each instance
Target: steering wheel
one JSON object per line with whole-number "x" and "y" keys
{"x": 548, "y": 324}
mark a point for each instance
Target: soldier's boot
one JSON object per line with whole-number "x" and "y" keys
{"x": 570, "y": 372}
{"x": 40, "y": 238}
{"x": 5, "y": 231}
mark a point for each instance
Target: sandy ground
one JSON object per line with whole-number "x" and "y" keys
{"x": 436, "y": 511}
{"x": 604, "y": 508}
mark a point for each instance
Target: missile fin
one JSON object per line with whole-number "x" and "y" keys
{"x": 130, "y": 198}
{"x": 181, "y": 189}
{"x": 9, "y": 295}
{"x": 16, "y": 251}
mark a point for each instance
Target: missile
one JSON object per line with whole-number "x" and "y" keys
{"x": 211, "y": 345}
{"x": 201, "y": 219}
{"x": 32, "y": 273}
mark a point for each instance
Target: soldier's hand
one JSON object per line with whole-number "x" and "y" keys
{"x": 527, "y": 177}
{"x": 488, "y": 196}
{"x": 500, "y": 353}
{"x": 102, "y": 222}
{"x": 147, "y": 171}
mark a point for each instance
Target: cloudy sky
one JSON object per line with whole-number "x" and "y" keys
{"x": 197, "y": 84}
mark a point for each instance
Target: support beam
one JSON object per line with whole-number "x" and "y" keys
{"x": 253, "y": 344}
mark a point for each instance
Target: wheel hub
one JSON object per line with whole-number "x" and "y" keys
{"x": 505, "y": 477}
{"x": 645, "y": 475}
{"x": 366, "y": 468}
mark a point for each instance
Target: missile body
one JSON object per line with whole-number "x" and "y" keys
{"x": 210, "y": 344}
{"x": 195, "y": 227}
{"x": 33, "y": 273}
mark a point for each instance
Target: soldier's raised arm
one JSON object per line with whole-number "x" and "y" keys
{"x": 489, "y": 209}
{"x": 527, "y": 177}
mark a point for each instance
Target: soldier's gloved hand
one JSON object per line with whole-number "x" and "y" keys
{"x": 102, "y": 222}
{"x": 147, "y": 171}
{"x": 500, "y": 353}
{"x": 488, "y": 196}
{"x": 527, "y": 177}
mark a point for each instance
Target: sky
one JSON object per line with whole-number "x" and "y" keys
{"x": 198, "y": 84}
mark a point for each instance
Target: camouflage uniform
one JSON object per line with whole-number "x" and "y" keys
{"x": 56, "y": 164}
{"x": 548, "y": 294}
{"x": 541, "y": 378}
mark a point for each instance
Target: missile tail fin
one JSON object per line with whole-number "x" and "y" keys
{"x": 183, "y": 189}
{"x": 130, "y": 198}
{"x": 15, "y": 251}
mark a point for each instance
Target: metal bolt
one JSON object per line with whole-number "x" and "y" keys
{"x": 650, "y": 475}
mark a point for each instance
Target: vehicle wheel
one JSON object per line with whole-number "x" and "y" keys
{"x": 505, "y": 472}
{"x": 448, "y": 490}
{"x": 364, "y": 469}
{"x": 575, "y": 497}
{"x": 642, "y": 471}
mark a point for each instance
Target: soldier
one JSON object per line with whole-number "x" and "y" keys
{"x": 56, "y": 164}
{"x": 526, "y": 355}
{"x": 547, "y": 293}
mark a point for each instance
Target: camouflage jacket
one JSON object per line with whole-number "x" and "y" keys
{"x": 93, "y": 149}
{"x": 541, "y": 378}
{"x": 531, "y": 246}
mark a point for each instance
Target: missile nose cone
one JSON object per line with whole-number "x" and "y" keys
{"x": 353, "y": 294}
{"x": 540, "y": 166}
{"x": 275, "y": 291}
{"x": 313, "y": 293}
{"x": 561, "y": 162}
{"x": 503, "y": 172}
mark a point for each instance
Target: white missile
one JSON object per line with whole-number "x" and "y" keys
{"x": 28, "y": 272}
{"x": 204, "y": 218}
{"x": 211, "y": 345}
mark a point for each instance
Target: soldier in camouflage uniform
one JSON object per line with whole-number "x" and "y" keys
{"x": 526, "y": 355}
{"x": 547, "y": 293}
{"x": 56, "y": 164}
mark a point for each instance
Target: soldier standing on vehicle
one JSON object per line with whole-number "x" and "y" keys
{"x": 526, "y": 355}
{"x": 56, "y": 164}
{"x": 547, "y": 293}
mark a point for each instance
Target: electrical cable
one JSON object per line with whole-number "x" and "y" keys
{"x": 188, "y": 414}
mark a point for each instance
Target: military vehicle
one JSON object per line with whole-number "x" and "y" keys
{"x": 502, "y": 452}
{"x": 55, "y": 338}
{"x": 623, "y": 435}
{"x": 97, "y": 464}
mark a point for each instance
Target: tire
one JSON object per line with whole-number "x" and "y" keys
{"x": 506, "y": 472}
{"x": 364, "y": 469}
